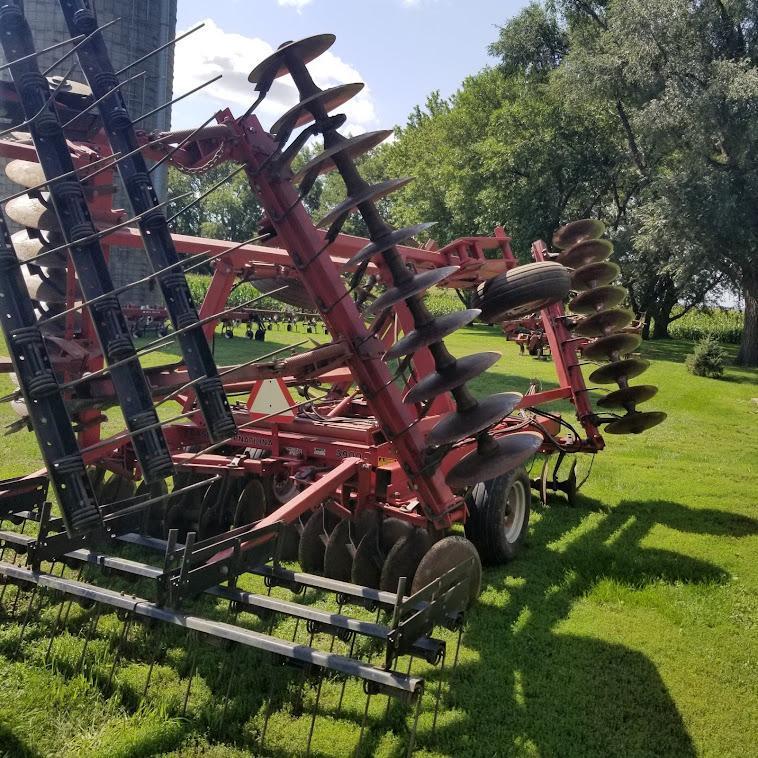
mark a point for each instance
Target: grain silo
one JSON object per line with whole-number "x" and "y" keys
{"x": 144, "y": 25}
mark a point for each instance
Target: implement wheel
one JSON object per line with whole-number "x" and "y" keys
{"x": 499, "y": 516}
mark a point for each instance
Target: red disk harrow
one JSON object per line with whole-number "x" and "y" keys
{"x": 360, "y": 457}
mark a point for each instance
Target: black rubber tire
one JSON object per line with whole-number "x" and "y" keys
{"x": 487, "y": 526}
{"x": 521, "y": 291}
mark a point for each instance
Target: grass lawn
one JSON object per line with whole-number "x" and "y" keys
{"x": 627, "y": 626}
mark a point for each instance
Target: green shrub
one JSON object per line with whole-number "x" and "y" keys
{"x": 723, "y": 323}
{"x": 708, "y": 358}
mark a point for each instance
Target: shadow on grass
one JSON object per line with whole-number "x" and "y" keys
{"x": 14, "y": 747}
{"x": 537, "y": 689}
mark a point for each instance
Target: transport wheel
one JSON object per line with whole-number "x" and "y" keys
{"x": 499, "y": 516}
{"x": 521, "y": 291}
{"x": 444, "y": 556}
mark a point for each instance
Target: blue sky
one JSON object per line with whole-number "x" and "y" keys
{"x": 401, "y": 49}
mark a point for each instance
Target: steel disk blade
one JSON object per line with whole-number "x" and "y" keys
{"x": 388, "y": 241}
{"x": 338, "y": 556}
{"x": 403, "y": 560}
{"x": 27, "y": 247}
{"x": 599, "y": 299}
{"x": 46, "y": 288}
{"x": 70, "y": 87}
{"x": 604, "y": 323}
{"x": 329, "y": 99}
{"x": 29, "y": 211}
{"x": 594, "y": 275}
{"x": 586, "y": 252}
{"x": 607, "y": 348}
{"x": 313, "y": 540}
{"x": 337, "y": 216}
{"x": 433, "y": 332}
{"x": 295, "y": 294}
{"x": 462, "y": 371}
{"x": 619, "y": 370}
{"x": 25, "y": 173}
{"x": 458, "y": 425}
{"x": 628, "y": 396}
{"x": 505, "y": 454}
{"x": 635, "y": 423}
{"x": 276, "y": 65}
{"x": 577, "y": 231}
{"x": 414, "y": 286}
{"x": 368, "y": 560}
{"x": 251, "y": 505}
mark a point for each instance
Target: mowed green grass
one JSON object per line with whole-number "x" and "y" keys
{"x": 627, "y": 626}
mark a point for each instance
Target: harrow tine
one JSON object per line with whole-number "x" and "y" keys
{"x": 158, "y": 49}
{"x": 81, "y": 42}
{"x": 92, "y": 628}
{"x": 207, "y": 192}
{"x": 315, "y": 712}
{"x": 193, "y": 667}
{"x": 37, "y": 53}
{"x": 176, "y": 100}
{"x": 119, "y": 86}
{"x": 412, "y": 736}
{"x": 119, "y": 647}
{"x": 363, "y": 724}
{"x": 181, "y": 144}
{"x": 17, "y": 649}
{"x": 439, "y": 690}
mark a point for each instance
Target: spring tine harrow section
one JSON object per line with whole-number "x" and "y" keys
{"x": 153, "y": 226}
{"x": 76, "y": 224}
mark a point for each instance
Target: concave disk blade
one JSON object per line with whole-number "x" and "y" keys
{"x": 458, "y": 425}
{"x": 300, "y": 115}
{"x": 339, "y": 553}
{"x": 338, "y": 215}
{"x": 462, "y": 371}
{"x": 388, "y": 241}
{"x": 599, "y": 299}
{"x": 414, "y": 286}
{"x": 29, "y": 211}
{"x": 619, "y": 370}
{"x": 603, "y": 323}
{"x": 25, "y": 173}
{"x": 294, "y": 294}
{"x": 403, "y": 560}
{"x": 48, "y": 289}
{"x": 635, "y": 423}
{"x": 430, "y": 333}
{"x": 313, "y": 540}
{"x": 27, "y": 247}
{"x": 492, "y": 460}
{"x": 251, "y": 504}
{"x": 628, "y": 396}
{"x": 368, "y": 561}
{"x": 593, "y": 275}
{"x": 304, "y": 50}
{"x": 578, "y": 231}
{"x": 613, "y": 346}
{"x": 586, "y": 252}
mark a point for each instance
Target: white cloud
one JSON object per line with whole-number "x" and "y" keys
{"x": 213, "y": 51}
{"x": 297, "y": 4}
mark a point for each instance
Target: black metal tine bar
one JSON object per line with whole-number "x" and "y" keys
{"x": 377, "y": 679}
{"x": 97, "y": 236}
{"x": 107, "y": 161}
{"x": 44, "y": 403}
{"x": 159, "y": 49}
{"x": 37, "y": 53}
{"x": 176, "y": 99}
{"x": 151, "y": 347}
{"x": 76, "y": 222}
{"x": 232, "y": 370}
{"x": 119, "y": 129}
{"x": 207, "y": 192}
{"x": 45, "y": 105}
{"x": 78, "y": 44}
{"x": 120, "y": 85}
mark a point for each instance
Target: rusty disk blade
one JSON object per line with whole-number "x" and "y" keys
{"x": 444, "y": 556}
{"x": 635, "y": 423}
{"x": 29, "y": 211}
{"x": 388, "y": 241}
{"x": 413, "y": 286}
{"x": 27, "y": 247}
{"x": 578, "y": 231}
{"x": 434, "y": 331}
{"x": 584, "y": 253}
{"x": 324, "y": 162}
{"x": 329, "y": 99}
{"x": 619, "y": 371}
{"x": 458, "y": 425}
{"x": 599, "y": 299}
{"x": 462, "y": 371}
{"x": 628, "y": 396}
{"x": 295, "y": 294}
{"x": 604, "y": 323}
{"x": 337, "y": 216}
{"x": 611, "y": 347}
{"x": 493, "y": 458}
{"x": 25, "y": 173}
{"x": 304, "y": 50}
{"x": 594, "y": 275}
